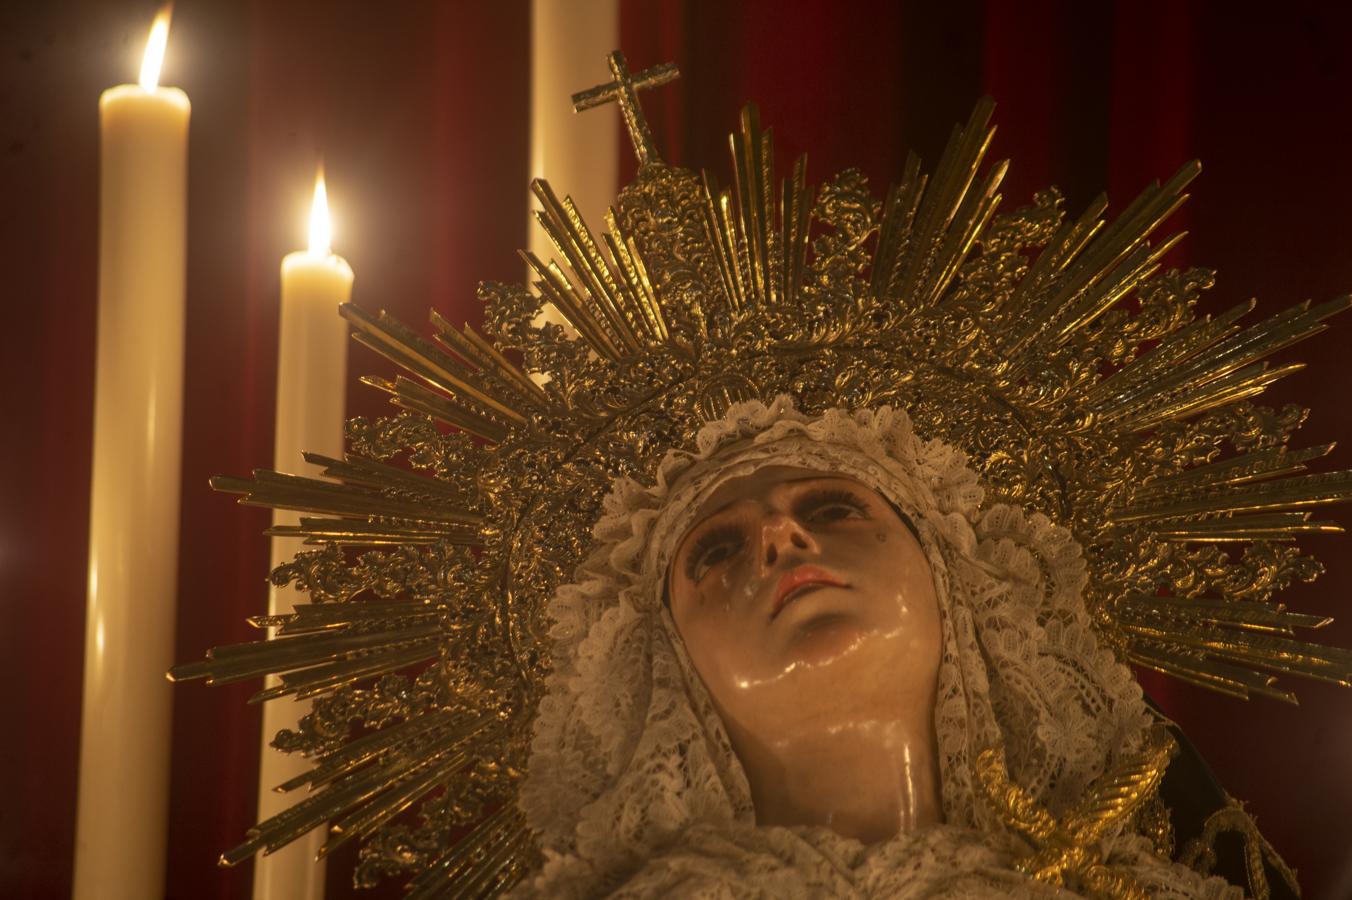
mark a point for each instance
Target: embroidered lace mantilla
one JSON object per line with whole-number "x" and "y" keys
{"x": 634, "y": 788}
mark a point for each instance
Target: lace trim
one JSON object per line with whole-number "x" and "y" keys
{"x": 742, "y": 861}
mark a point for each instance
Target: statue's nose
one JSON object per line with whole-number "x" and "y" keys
{"x": 782, "y": 534}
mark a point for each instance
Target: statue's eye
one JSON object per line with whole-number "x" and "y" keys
{"x": 711, "y": 549}
{"x": 825, "y": 507}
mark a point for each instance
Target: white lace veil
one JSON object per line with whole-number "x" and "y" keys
{"x": 628, "y": 751}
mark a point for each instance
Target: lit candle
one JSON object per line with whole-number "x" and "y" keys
{"x": 134, "y": 509}
{"x": 311, "y": 365}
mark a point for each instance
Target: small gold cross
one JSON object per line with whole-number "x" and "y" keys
{"x": 624, "y": 90}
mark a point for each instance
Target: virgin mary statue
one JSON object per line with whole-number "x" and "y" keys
{"x": 777, "y": 672}
{"x": 810, "y": 562}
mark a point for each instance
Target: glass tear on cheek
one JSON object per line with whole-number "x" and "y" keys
{"x": 725, "y": 590}
{"x": 881, "y": 536}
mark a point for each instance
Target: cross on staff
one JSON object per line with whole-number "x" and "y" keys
{"x": 624, "y": 90}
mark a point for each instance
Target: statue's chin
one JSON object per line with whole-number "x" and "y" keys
{"x": 822, "y": 641}
{"x": 830, "y": 652}
{"x": 821, "y": 638}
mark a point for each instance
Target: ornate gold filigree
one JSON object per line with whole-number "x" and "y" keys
{"x": 1054, "y": 351}
{"x": 1066, "y": 852}
{"x": 1154, "y": 820}
{"x": 1200, "y": 852}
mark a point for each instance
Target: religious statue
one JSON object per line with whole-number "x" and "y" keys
{"x": 811, "y": 560}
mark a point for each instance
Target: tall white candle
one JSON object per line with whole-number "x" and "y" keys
{"x": 134, "y": 508}
{"x": 311, "y": 365}
{"x": 569, "y": 43}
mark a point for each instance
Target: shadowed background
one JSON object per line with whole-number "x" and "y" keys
{"x": 421, "y": 113}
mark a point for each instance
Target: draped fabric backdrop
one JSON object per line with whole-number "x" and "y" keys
{"x": 421, "y": 113}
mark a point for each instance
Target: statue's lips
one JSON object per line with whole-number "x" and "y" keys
{"x": 800, "y": 580}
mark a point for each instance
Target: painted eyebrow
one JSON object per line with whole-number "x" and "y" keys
{"x": 724, "y": 508}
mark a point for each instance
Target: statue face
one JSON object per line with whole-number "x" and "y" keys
{"x": 803, "y": 597}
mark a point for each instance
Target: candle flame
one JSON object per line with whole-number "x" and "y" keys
{"x": 154, "y": 55}
{"x": 319, "y": 218}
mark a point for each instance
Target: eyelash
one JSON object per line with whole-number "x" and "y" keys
{"x": 830, "y": 497}
{"x": 810, "y": 503}
{"x": 709, "y": 541}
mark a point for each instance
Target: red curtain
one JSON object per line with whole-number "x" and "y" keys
{"x": 421, "y": 114}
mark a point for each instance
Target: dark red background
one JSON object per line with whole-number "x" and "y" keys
{"x": 420, "y": 110}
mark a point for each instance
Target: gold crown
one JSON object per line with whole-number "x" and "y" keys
{"x": 1056, "y": 353}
